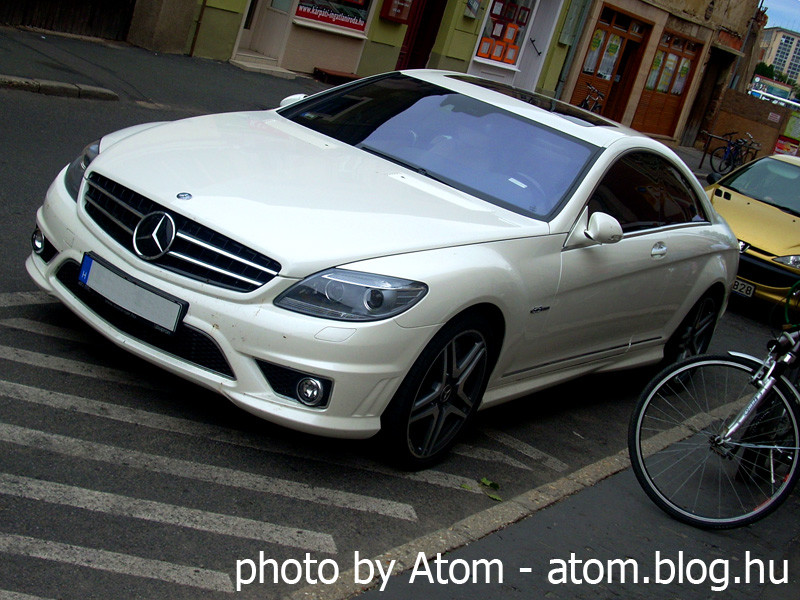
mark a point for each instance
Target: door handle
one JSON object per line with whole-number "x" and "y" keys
{"x": 659, "y": 250}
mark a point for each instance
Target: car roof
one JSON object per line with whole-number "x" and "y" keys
{"x": 788, "y": 158}
{"x": 561, "y": 116}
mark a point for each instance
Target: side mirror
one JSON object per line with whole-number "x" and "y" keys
{"x": 603, "y": 229}
{"x": 713, "y": 178}
{"x": 292, "y": 99}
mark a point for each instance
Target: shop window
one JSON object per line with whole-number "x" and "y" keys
{"x": 505, "y": 31}
{"x": 594, "y": 51}
{"x": 608, "y": 41}
{"x": 672, "y": 65}
{"x": 610, "y": 57}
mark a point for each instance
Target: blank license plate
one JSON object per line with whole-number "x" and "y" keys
{"x": 131, "y": 295}
{"x": 743, "y": 288}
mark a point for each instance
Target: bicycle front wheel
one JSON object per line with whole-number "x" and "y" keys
{"x": 683, "y": 464}
{"x": 721, "y": 160}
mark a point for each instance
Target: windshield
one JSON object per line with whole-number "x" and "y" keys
{"x": 468, "y": 144}
{"x": 770, "y": 180}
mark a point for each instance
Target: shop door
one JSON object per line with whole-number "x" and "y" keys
{"x": 265, "y": 27}
{"x": 424, "y": 21}
{"x": 612, "y": 61}
{"x": 667, "y": 83}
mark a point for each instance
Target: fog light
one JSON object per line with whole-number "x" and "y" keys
{"x": 37, "y": 241}
{"x": 310, "y": 391}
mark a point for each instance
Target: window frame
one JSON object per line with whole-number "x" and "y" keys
{"x": 695, "y": 200}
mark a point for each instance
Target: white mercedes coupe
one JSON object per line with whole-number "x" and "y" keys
{"x": 389, "y": 255}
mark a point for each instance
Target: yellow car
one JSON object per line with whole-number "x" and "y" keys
{"x": 761, "y": 203}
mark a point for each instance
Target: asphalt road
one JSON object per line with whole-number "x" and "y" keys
{"x": 120, "y": 481}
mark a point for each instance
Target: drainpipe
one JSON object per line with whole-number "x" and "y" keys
{"x": 197, "y": 27}
{"x": 562, "y": 76}
{"x": 735, "y": 79}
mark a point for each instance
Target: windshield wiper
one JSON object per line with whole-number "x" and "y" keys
{"x": 402, "y": 163}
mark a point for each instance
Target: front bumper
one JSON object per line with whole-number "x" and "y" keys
{"x": 226, "y": 337}
{"x": 772, "y": 282}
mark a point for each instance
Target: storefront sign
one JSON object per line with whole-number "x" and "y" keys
{"x": 396, "y": 10}
{"x": 351, "y": 15}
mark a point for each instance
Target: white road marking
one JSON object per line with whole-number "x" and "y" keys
{"x": 548, "y": 461}
{"x": 115, "y": 562}
{"x": 53, "y": 331}
{"x": 488, "y": 455}
{"x": 25, "y": 298}
{"x": 163, "y": 422}
{"x": 9, "y": 595}
{"x": 74, "y": 367}
{"x": 203, "y": 472}
{"x": 148, "y": 510}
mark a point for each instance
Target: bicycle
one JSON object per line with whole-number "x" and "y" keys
{"x": 734, "y": 153}
{"x": 593, "y": 100}
{"x": 714, "y": 440}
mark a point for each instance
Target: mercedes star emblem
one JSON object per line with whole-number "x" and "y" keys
{"x": 154, "y": 235}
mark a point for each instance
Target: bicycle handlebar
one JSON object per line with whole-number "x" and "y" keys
{"x": 595, "y": 90}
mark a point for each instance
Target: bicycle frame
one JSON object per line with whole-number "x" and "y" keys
{"x": 780, "y": 357}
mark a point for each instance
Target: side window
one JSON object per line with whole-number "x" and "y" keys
{"x": 643, "y": 191}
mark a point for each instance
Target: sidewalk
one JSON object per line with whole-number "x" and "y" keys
{"x": 105, "y": 70}
{"x": 113, "y": 70}
{"x": 610, "y": 520}
{"x": 615, "y": 521}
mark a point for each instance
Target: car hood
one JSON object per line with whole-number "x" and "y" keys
{"x": 761, "y": 225}
{"x": 306, "y": 200}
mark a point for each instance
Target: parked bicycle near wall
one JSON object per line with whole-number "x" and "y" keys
{"x": 734, "y": 153}
{"x": 593, "y": 101}
{"x": 714, "y": 440}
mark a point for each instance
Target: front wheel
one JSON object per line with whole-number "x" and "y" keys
{"x": 684, "y": 465}
{"x": 721, "y": 160}
{"x": 439, "y": 396}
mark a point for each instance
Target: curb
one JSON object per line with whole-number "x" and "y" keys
{"x": 471, "y": 528}
{"x": 57, "y": 88}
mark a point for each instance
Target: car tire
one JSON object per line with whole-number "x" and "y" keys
{"x": 439, "y": 396}
{"x": 693, "y": 335}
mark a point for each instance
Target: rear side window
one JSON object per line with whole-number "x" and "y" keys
{"x": 643, "y": 191}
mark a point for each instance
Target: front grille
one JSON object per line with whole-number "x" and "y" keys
{"x": 198, "y": 252}
{"x": 187, "y": 343}
{"x": 765, "y": 273}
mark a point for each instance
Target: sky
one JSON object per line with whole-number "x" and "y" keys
{"x": 783, "y": 13}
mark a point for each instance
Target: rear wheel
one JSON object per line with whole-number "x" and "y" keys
{"x": 693, "y": 335}
{"x": 688, "y": 469}
{"x": 439, "y": 396}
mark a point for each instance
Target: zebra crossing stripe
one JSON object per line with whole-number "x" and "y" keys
{"x": 203, "y": 472}
{"x": 9, "y": 595}
{"x": 136, "y": 416}
{"x": 547, "y": 460}
{"x": 74, "y": 367}
{"x": 63, "y": 333}
{"x": 148, "y": 510}
{"x": 115, "y": 562}
{"x": 9, "y": 299}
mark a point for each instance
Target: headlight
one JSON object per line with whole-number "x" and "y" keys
{"x": 789, "y": 261}
{"x": 74, "y": 174}
{"x": 352, "y": 296}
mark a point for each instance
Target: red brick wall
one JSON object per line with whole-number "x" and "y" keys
{"x": 744, "y": 113}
